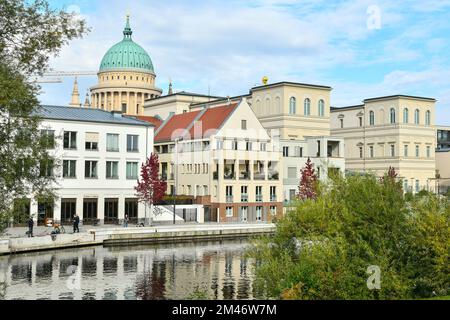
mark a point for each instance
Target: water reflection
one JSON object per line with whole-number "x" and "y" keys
{"x": 219, "y": 270}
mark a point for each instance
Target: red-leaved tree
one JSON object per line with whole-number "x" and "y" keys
{"x": 150, "y": 188}
{"x": 308, "y": 183}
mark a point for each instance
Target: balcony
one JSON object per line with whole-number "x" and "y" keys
{"x": 229, "y": 199}
{"x": 259, "y": 198}
{"x": 274, "y": 175}
{"x": 259, "y": 176}
{"x": 244, "y": 175}
{"x": 244, "y": 197}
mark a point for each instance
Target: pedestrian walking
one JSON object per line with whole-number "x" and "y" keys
{"x": 125, "y": 221}
{"x": 76, "y": 222}
{"x": 30, "y": 227}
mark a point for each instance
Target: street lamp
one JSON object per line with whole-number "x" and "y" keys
{"x": 175, "y": 167}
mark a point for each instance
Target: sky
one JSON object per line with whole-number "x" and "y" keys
{"x": 361, "y": 48}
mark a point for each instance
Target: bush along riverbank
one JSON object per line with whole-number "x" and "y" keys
{"x": 359, "y": 238}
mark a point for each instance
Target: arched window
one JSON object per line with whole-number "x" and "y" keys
{"x": 307, "y": 107}
{"x": 417, "y": 116}
{"x": 371, "y": 118}
{"x": 405, "y": 115}
{"x": 392, "y": 115}
{"x": 428, "y": 118}
{"x": 321, "y": 108}
{"x": 292, "y": 106}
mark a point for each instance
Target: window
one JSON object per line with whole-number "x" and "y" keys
{"x": 48, "y": 139}
{"x": 229, "y": 212}
{"x": 248, "y": 146}
{"x": 405, "y": 185}
{"x": 111, "y": 210}
{"x": 68, "y": 210}
{"x": 292, "y": 172}
{"x": 417, "y": 116}
{"x": 417, "y": 185}
{"x": 342, "y": 123}
{"x": 360, "y": 121}
{"x": 428, "y": 118}
{"x": 273, "y": 210}
{"x": 371, "y": 151}
{"x": 285, "y": 151}
{"x": 112, "y": 142}
{"x": 417, "y": 151}
{"x": 372, "y": 118}
{"x": 131, "y": 209}
{"x": 46, "y": 168}
{"x": 405, "y": 115}
{"x": 244, "y": 124}
{"x": 259, "y": 194}
{"x": 112, "y": 170}
{"x": 405, "y": 150}
{"x": 90, "y": 207}
{"x": 321, "y": 108}
{"x": 234, "y": 145}
{"x": 361, "y": 152}
{"x": 263, "y": 146}
{"x": 392, "y": 150}
{"x": 69, "y": 168}
{"x": 132, "y": 143}
{"x": 124, "y": 108}
{"x": 307, "y": 107}
{"x": 259, "y": 213}
{"x": 298, "y": 151}
{"x": 244, "y": 194}
{"x": 428, "y": 152}
{"x": 292, "y": 106}
{"x": 273, "y": 193}
{"x": 70, "y": 140}
{"x": 91, "y": 141}
{"x": 392, "y": 116}
{"x": 90, "y": 169}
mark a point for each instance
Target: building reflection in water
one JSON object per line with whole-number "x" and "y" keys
{"x": 218, "y": 269}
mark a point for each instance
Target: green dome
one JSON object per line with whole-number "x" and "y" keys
{"x": 127, "y": 55}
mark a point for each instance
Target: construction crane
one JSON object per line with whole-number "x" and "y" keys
{"x": 57, "y": 76}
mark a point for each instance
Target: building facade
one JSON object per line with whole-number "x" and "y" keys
{"x": 394, "y": 131}
{"x": 225, "y": 160}
{"x": 98, "y": 157}
{"x": 126, "y": 78}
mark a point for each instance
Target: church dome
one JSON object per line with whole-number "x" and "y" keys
{"x": 127, "y": 55}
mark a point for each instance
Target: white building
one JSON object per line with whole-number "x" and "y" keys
{"x": 99, "y": 155}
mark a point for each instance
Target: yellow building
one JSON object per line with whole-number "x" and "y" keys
{"x": 126, "y": 78}
{"x": 393, "y": 131}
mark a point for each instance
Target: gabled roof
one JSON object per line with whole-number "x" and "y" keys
{"x": 174, "y": 123}
{"x": 87, "y": 115}
{"x": 153, "y": 120}
{"x": 210, "y": 119}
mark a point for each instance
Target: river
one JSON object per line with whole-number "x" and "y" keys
{"x": 212, "y": 270}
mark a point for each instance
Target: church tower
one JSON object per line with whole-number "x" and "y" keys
{"x": 126, "y": 77}
{"x": 75, "y": 101}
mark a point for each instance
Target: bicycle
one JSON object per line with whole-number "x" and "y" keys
{"x": 58, "y": 228}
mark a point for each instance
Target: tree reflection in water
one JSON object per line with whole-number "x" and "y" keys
{"x": 151, "y": 285}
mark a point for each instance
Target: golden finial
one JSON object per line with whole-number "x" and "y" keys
{"x": 265, "y": 80}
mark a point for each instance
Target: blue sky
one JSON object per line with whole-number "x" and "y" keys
{"x": 228, "y": 46}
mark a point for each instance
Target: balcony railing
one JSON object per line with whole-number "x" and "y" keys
{"x": 229, "y": 199}
{"x": 274, "y": 176}
{"x": 244, "y": 176}
{"x": 259, "y": 198}
{"x": 259, "y": 176}
{"x": 229, "y": 176}
{"x": 244, "y": 197}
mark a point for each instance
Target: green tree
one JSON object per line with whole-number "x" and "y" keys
{"x": 30, "y": 32}
{"x": 322, "y": 249}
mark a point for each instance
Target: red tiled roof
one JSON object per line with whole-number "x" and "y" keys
{"x": 176, "y": 122}
{"x": 211, "y": 120}
{"x": 153, "y": 120}
{"x": 204, "y": 126}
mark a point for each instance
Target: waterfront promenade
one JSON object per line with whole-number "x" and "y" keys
{"x": 15, "y": 240}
